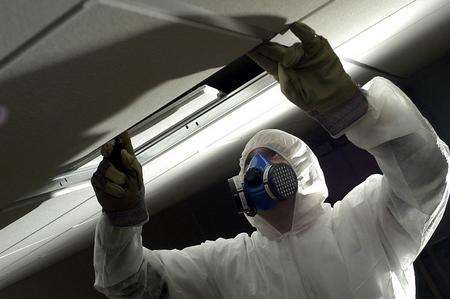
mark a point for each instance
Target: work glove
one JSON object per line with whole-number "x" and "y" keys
{"x": 312, "y": 77}
{"x": 119, "y": 185}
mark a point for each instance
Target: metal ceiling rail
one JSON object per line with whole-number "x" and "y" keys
{"x": 163, "y": 142}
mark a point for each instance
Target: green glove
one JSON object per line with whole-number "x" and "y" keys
{"x": 121, "y": 194}
{"x": 312, "y": 77}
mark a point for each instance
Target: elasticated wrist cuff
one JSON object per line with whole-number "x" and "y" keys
{"x": 137, "y": 215}
{"x": 339, "y": 119}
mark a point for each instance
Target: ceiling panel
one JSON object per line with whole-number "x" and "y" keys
{"x": 40, "y": 255}
{"x": 50, "y": 218}
{"x": 19, "y": 21}
{"x": 248, "y": 10}
{"x": 94, "y": 76}
{"x": 340, "y": 20}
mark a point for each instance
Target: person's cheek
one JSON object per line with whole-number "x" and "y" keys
{"x": 277, "y": 159}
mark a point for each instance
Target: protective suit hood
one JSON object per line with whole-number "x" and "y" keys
{"x": 312, "y": 189}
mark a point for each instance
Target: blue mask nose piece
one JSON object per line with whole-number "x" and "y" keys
{"x": 254, "y": 187}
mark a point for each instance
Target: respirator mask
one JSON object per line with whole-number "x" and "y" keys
{"x": 264, "y": 185}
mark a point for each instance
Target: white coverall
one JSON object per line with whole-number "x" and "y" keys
{"x": 362, "y": 247}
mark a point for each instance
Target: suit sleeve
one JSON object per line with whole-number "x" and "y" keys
{"x": 392, "y": 216}
{"x": 123, "y": 267}
{"x": 126, "y": 269}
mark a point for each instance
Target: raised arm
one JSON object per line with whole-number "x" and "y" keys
{"x": 413, "y": 190}
{"x": 409, "y": 200}
{"x": 383, "y": 223}
{"x": 126, "y": 269}
{"x": 123, "y": 267}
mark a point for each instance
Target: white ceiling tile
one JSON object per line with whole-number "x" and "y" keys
{"x": 36, "y": 223}
{"x": 47, "y": 252}
{"x": 95, "y": 76}
{"x": 268, "y": 14}
{"x": 343, "y": 19}
{"x": 19, "y": 20}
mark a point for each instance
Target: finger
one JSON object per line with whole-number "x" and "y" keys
{"x": 285, "y": 84}
{"x": 103, "y": 167}
{"x": 305, "y": 33}
{"x": 97, "y": 183}
{"x": 107, "y": 148}
{"x": 265, "y": 63}
{"x": 115, "y": 175}
{"x": 114, "y": 190}
{"x": 271, "y": 50}
{"x": 131, "y": 163}
{"x": 291, "y": 86}
{"x": 125, "y": 140}
{"x": 293, "y": 55}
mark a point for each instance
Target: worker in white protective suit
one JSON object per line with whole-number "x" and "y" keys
{"x": 362, "y": 247}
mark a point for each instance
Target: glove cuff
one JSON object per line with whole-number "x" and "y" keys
{"x": 337, "y": 120}
{"x": 136, "y": 216}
